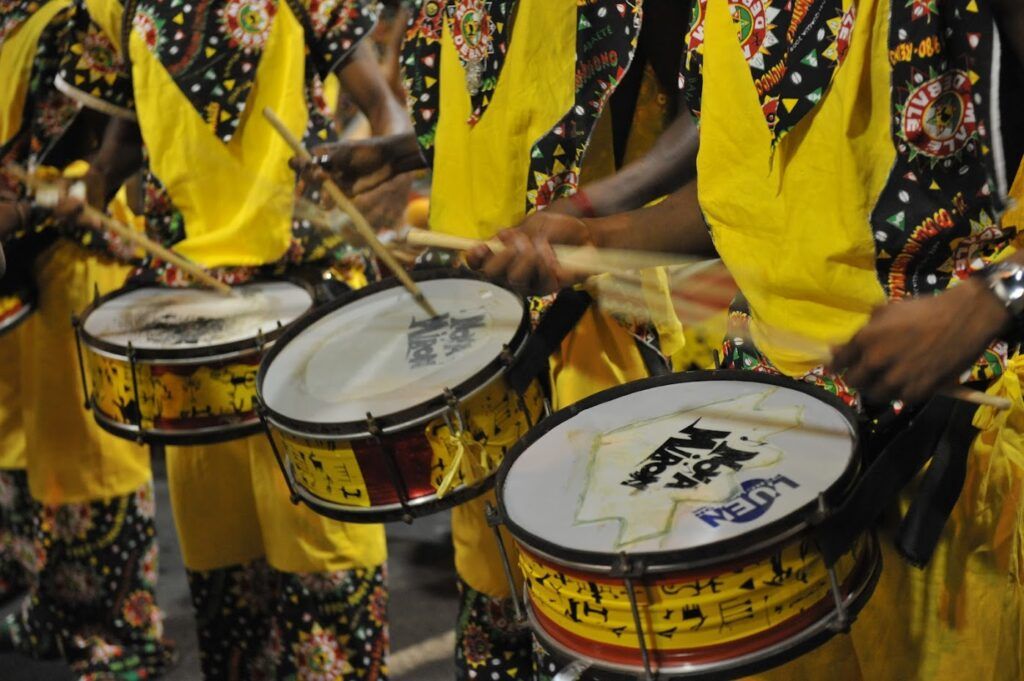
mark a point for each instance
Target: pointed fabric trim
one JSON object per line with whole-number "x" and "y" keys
{"x": 793, "y": 48}
{"x": 606, "y": 39}
{"x": 13, "y": 14}
{"x": 480, "y": 30}
{"x": 212, "y": 49}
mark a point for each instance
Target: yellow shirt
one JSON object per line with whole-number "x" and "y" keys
{"x": 793, "y": 226}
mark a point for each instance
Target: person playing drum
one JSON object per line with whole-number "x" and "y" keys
{"x": 77, "y": 503}
{"x": 851, "y": 174}
{"x": 218, "y": 188}
{"x": 504, "y": 124}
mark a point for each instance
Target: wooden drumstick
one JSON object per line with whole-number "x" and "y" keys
{"x": 125, "y": 232}
{"x": 128, "y": 234}
{"x": 581, "y": 258}
{"x": 358, "y": 221}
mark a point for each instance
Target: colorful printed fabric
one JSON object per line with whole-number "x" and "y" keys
{"x": 489, "y": 643}
{"x": 936, "y": 221}
{"x": 94, "y": 598}
{"x": 257, "y": 623}
{"x": 13, "y": 14}
{"x": 212, "y": 50}
{"x": 92, "y": 66}
{"x": 17, "y": 552}
{"x": 225, "y": 67}
{"x": 606, "y": 42}
{"x": 792, "y": 49}
{"x": 607, "y": 32}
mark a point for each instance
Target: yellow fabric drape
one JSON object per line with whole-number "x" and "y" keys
{"x": 73, "y": 460}
{"x": 223, "y": 524}
{"x": 17, "y": 55}
{"x": 236, "y": 198}
{"x": 12, "y": 431}
{"x": 479, "y": 187}
{"x": 792, "y": 226}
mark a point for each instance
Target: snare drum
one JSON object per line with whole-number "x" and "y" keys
{"x": 663, "y": 526}
{"x": 378, "y": 412}
{"x": 178, "y": 366}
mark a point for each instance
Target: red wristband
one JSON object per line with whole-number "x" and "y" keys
{"x": 582, "y": 202}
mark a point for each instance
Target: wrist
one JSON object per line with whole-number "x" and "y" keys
{"x": 990, "y": 300}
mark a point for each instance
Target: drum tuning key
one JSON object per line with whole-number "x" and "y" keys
{"x": 495, "y": 522}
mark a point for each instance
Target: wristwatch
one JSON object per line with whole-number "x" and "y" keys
{"x": 1006, "y": 282}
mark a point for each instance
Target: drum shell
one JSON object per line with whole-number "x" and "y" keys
{"x": 566, "y": 625}
{"x": 358, "y": 479}
{"x": 174, "y": 402}
{"x": 182, "y": 396}
{"x": 16, "y": 308}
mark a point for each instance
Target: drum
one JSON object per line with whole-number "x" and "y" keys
{"x": 178, "y": 366}
{"x": 15, "y": 308}
{"x": 664, "y": 527}
{"x": 378, "y": 412}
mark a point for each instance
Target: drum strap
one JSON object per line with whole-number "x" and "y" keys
{"x": 897, "y": 464}
{"x": 559, "y": 319}
{"x": 939, "y": 490}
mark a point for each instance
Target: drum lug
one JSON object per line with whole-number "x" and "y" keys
{"x": 76, "y": 324}
{"x": 630, "y": 570}
{"x": 506, "y": 356}
{"x": 140, "y": 438}
{"x": 261, "y": 411}
{"x": 453, "y": 417}
{"x": 260, "y": 340}
{"x": 841, "y": 620}
{"x": 375, "y": 431}
{"x": 495, "y": 522}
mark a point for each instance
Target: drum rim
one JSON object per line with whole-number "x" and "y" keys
{"x": 704, "y": 555}
{"x": 220, "y": 351}
{"x": 405, "y": 418}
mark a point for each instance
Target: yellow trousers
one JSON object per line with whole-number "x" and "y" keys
{"x": 73, "y": 460}
{"x": 598, "y": 354}
{"x": 231, "y": 505}
{"x": 12, "y": 430}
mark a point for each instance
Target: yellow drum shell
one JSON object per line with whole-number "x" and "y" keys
{"x": 207, "y": 400}
{"x": 437, "y": 463}
{"x": 696, "y": 617}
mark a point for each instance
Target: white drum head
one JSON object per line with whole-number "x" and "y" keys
{"x": 157, "y": 318}
{"x": 677, "y": 467}
{"x": 381, "y": 354}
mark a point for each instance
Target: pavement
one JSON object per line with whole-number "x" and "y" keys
{"x": 422, "y": 610}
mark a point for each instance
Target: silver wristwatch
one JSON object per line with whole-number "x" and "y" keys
{"x": 1006, "y": 281}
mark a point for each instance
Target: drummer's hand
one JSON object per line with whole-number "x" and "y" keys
{"x": 528, "y": 262}
{"x": 911, "y": 349}
{"x": 361, "y": 165}
{"x": 384, "y": 205}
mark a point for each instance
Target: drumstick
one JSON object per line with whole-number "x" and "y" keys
{"x": 629, "y": 297}
{"x": 358, "y": 221}
{"x": 582, "y": 258}
{"x": 142, "y": 241}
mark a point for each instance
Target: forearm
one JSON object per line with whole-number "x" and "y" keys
{"x": 674, "y": 225}
{"x": 119, "y": 157}
{"x": 363, "y": 80}
{"x": 667, "y": 167}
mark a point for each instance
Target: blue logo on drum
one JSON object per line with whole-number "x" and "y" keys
{"x": 750, "y": 503}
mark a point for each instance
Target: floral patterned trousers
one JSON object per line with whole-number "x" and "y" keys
{"x": 92, "y": 600}
{"x": 17, "y": 554}
{"x": 255, "y": 622}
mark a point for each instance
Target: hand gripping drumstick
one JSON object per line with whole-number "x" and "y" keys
{"x": 141, "y": 240}
{"x": 358, "y": 221}
{"x": 582, "y": 258}
{"x": 632, "y": 260}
